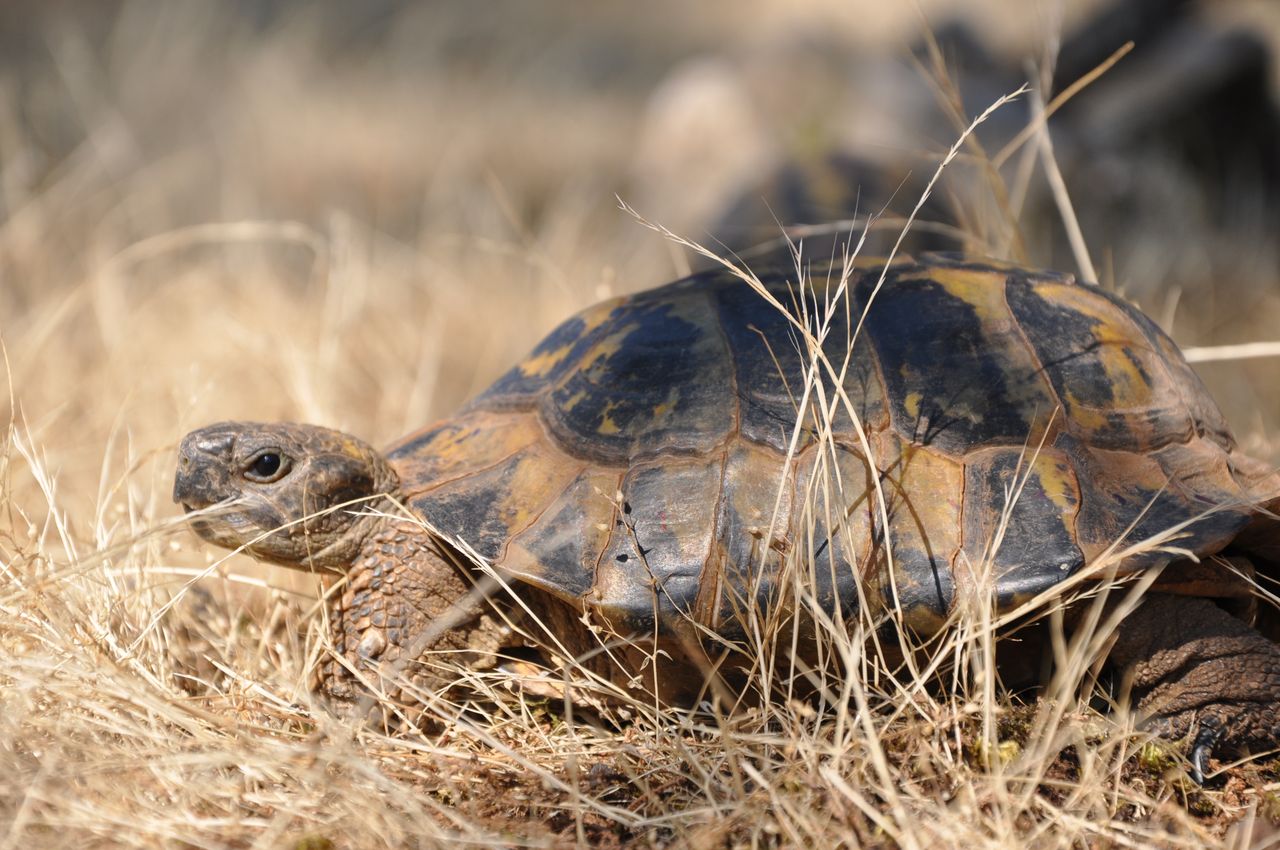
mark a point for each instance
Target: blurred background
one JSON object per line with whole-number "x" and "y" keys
{"x": 359, "y": 213}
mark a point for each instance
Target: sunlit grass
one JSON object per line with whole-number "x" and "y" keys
{"x": 369, "y": 266}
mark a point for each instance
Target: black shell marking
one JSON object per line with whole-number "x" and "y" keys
{"x": 645, "y": 460}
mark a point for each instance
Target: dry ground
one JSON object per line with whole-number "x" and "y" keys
{"x": 359, "y": 218}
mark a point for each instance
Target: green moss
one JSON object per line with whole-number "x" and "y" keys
{"x": 1269, "y": 807}
{"x": 1003, "y": 753}
{"x": 1198, "y": 804}
{"x": 314, "y": 842}
{"x": 1017, "y": 723}
{"x": 1157, "y": 758}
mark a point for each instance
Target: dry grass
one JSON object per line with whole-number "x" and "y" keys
{"x": 207, "y": 219}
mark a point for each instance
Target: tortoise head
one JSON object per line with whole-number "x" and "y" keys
{"x": 289, "y": 493}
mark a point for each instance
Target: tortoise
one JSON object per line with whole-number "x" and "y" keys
{"x": 649, "y": 472}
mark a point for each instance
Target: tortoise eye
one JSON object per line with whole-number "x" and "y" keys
{"x": 267, "y": 466}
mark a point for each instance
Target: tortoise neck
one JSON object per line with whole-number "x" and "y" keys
{"x": 370, "y": 519}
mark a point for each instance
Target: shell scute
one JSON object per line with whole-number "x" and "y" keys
{"x": 569, "y": 536}
{"x": 1114, "y": 383}
{"x": 460, "y": 446}
{"x": 924, "y": 498}
{"x": 650, "y": 571}
{"x": 688, "y": 458}
{"x": 958, "y": 371}
{"x": 1020, "y": 512}
{"x": 487, "y": 505}
{"x": 753, "y": 536}
{"x": 654, "y": 379}
{"x": 766, "y": 362}
{"x": 771, "y": 356}
{"x": 833, "y": 541}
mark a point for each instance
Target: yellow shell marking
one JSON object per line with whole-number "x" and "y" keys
{"x": 1115, "y": 345}
{"x": 607, "y": 425}
{"x": 661, "y": 411}
{"x": 912, "y": 404}
{"x": 981, "y": 290}
{"x": 541, "y": 365}
{"x": 984, "y": 292}
{"x": 1057, "y": 480}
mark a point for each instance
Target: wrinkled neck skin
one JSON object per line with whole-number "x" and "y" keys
{"x": 369, "y": 518}
{"x": 343, "y": 553}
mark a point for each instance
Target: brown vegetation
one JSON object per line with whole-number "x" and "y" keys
{"x": 238, "y": 210}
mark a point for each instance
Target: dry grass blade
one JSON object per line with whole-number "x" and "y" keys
{"x": 1059, "y": 100}
{"x": 1060, "y": 195}
{"x": 169, "y": 258}
{"x": 1240, "y": 351}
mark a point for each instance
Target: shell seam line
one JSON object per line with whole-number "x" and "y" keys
{"x": 506, "y": 544}
{"x": 608, "y": 541}
{"x": 436, "y": 484}
{"x": 713, "y": 304}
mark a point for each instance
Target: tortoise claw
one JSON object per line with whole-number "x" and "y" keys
{"x": 1207, "y": 737}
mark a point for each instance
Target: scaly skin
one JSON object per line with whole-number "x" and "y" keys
{"x": 1196, "y": 669}
{"x": 407, "y": 608}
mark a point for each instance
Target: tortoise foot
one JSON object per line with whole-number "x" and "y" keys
{"x": 1246, "y": 731}
{"x": 1207, "y": 738}
{"x": 1197, "y": 672}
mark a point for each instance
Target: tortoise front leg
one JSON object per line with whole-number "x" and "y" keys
{"x": 408, "y": 604}
{"x": 1194, "y": 667}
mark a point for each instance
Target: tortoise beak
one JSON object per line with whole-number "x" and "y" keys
{"x": 204, "y": 466}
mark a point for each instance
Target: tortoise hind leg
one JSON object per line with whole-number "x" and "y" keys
{"x": 1194, "y": 667}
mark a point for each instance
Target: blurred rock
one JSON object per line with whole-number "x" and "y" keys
{"x": 1171, "y": 158}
